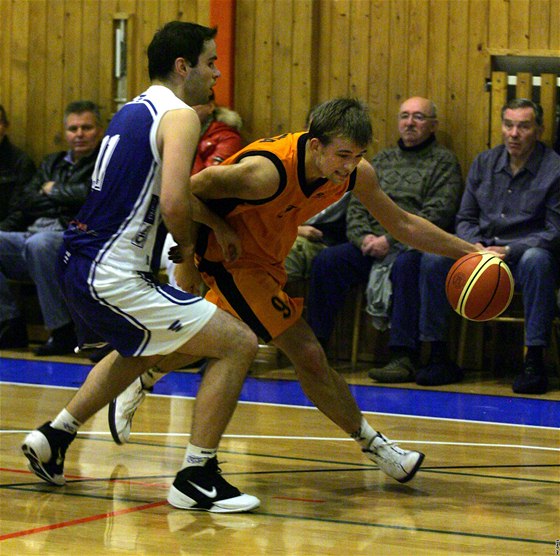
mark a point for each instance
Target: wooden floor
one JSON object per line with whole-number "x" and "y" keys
{"x": 484, "y": 488}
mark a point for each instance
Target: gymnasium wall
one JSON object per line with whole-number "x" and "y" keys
{"x": 289, "y": 55}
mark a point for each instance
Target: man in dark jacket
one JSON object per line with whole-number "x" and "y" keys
{"x": 16, "y": 169}
{"x": 32, "y": 233}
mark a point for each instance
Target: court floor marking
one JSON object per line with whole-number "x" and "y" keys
{"x": 261, "y": 513}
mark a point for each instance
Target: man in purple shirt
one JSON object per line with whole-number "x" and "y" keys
{"x": 511, "y": 205}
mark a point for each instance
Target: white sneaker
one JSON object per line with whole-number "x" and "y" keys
{"x": 122, "y": 410}
{"x": 392, "y": 460}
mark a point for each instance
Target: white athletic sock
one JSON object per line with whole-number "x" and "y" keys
{"x": 364, "y": 435}
{"x": 65, "y": 422}
{"x": 198, "y": 456}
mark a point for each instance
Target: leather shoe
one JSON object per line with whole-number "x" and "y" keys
{"x": 13, "y": 334}
{"x": 62, "y": 341}
{"x": 399, "y": 369}
{"x": 438, "y": 374}
{"x": 532, "y": 380}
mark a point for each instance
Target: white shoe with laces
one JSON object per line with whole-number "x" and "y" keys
{"x": 122, "y": 410}
{"x": 394, "y": 461}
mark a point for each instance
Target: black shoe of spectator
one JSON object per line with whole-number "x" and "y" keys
{"x": 100, "y": 353}
{"x": 62, "y": 341}
{"x": 13, "y": 334}
{"x": 532, "y": 380}
{"x": 438, "y": 374}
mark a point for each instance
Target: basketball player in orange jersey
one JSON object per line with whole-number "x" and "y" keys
{"x": 264, "y": 192}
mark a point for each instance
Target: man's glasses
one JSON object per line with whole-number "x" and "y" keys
{"x": 416, "y": 116}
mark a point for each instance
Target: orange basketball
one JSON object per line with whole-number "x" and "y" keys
{"x": 479, "y": 286}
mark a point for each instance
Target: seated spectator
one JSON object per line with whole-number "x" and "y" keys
{"x": 325, "y": 229}
{"x": 511, "y": 206}
{"x": 421, "y": 176}
{"x": 219, "y": 134}
{"x": 29, "y": 247}
{"x": 16, "y": 169}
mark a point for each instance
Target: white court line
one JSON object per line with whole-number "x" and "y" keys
{"x": 291, "y": 406}
{"x": 315, "y": 438}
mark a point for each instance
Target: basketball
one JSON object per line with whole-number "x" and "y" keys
{"x": 479, "y": 286}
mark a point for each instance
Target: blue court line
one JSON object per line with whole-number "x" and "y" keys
{"x": 398, "y": 401}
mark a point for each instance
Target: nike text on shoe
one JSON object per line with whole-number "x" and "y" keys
{"x": 203, "y": 488}
{"x": 45, "y": 449}
{"x": 392, "y": 460}
{"x": 122, "y": 410}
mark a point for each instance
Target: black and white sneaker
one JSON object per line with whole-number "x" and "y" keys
{"x": 392, "y": 460}
{"x": 45, "y": 449}
{"x": 203, "y": 488}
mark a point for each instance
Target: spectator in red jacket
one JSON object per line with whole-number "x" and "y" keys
{"x": 219, "y": 134}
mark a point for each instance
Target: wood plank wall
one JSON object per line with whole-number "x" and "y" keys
{"x": 290, "y": 54}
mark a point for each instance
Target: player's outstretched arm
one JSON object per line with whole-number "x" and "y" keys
{"x": 404, "y": 226}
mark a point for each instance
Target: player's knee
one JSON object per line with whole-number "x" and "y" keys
{"x": 243, "y": 340}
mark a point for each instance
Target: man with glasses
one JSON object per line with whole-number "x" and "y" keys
{"x": 511, "y": 205}
{"x": 422, "y": 177}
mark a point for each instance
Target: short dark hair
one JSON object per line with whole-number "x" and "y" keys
{"x": 341, "y": 117}
{"x": 3, "y": 116}
{"x": 176, "y": 39}
{"x": 515, "y": 103}
{"x": 80, "y": 106}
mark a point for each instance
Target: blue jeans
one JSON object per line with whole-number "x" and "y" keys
{"x": 536, "y": 276}
{"x": 334, "y": 271}
{"x": 26, "y": 256}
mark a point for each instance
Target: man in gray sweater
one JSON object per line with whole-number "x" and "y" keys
{"x": 422, "y": 177}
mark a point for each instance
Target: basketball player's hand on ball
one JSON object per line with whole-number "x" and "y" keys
{"x": 497, "y": 250}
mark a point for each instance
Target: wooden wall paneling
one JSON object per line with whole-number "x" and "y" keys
{"x": 359, "y": 50}
{"x": 173, "y": 10}
{"x": 282, "y": 34}
{"x": 19, "y": 71}
{"x": 498, "y": 99}
{"x": 539, "y": 25}
{"x": 107, "y": 10}
{"x": 146, "y": 24}
{"x": 524, "y": 85}
{"x": 54, "y": 102}
{"x": 260, "y": 70}
{"x": 5, "y": 58}
{"x": 246, "y": 67}
{"x": 37, "y": 90}
{"x": 457, "y": 77}
{"x": 418, "y": 76}
{"x": 303, "y": 63}
{"x": 519, "y": 24}
{"x": 378, "y": 74}
{"x": 475, "y": 112}
{"x": 498, "y": 28}
{"x": 340, "y": 59}
{"x": 398, "y": 66}
{"x": 90, "y": 52}
{"x": 548, "y": 101}
{"x": 554, "y": 27}
{"x": 326, "y": 49}
{"x": 74, "y": 51}
{"x": 437, "y": 69}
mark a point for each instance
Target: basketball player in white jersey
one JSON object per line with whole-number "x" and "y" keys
{"x": 111, "y": 252}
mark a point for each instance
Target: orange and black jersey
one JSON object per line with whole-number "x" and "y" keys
{"x": 268, "y": 227}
